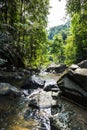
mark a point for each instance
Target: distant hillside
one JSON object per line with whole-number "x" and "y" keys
{"x": 58, "y": 29}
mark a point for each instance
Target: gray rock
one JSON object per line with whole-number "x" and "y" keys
{"x": 80, "y": 77}
{"x": 7, "y": 89}
{"x": 83, "y": 64}
{"x": 56, "y": 68}
{"x": 33, "y": 82}
{"x": 73, "y": 85}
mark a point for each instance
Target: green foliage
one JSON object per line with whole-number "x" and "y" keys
{"x": 70, "y": 51}
{"x": 78, "y": 12}
{"x": 23, "y": 33}
{"x": 25, "y": 21}
{"x": 58, "y": 36}
{"x": 79, "y": 29}
{"x": 57, "y": 49}
{"x": 73, "y": 6}
{"x": 9, "y": 53}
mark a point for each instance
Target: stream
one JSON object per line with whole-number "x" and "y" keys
{"x": 15, "y": 114}
{"x": 53, "y": 113}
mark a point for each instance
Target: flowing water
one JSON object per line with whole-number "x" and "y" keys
{"x": 12, "y": 114}
{"x": 16, "y": 114}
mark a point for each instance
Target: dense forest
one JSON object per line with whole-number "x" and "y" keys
{"x": 22, "y": 31}
{"x": 63, "y": 29}
{"x": 25, "y": 41}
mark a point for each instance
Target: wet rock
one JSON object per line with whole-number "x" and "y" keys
{"x": 83, "y": 64}
{"x": 69, "y": 117}
{"x": 51, "y": 86}
{"x": 73, "y": 85}
{"x": 7, "y": 89}
{"x": 41, "y": 99}
{"x": 62, "y": 120}
{"x": 33, "y": 82}
{"x": 56, "y": 68}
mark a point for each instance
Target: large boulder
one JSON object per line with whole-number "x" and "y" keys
{"x": 56, "y": 68}
{"x": 83, "y": 64}
{"x": 80, "y": 77}
{"x": 7, "y": 89}
{"x": 73, "y": 85}
{"x": 33, "y": 82}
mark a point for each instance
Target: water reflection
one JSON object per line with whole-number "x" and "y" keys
{"x": 12, "y": 114}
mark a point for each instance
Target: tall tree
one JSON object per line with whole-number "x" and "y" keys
{"x": 78, "y": 12}
{"x": 25, "y": 21}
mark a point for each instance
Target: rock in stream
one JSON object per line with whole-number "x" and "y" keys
{"x": 73, "y": 85}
